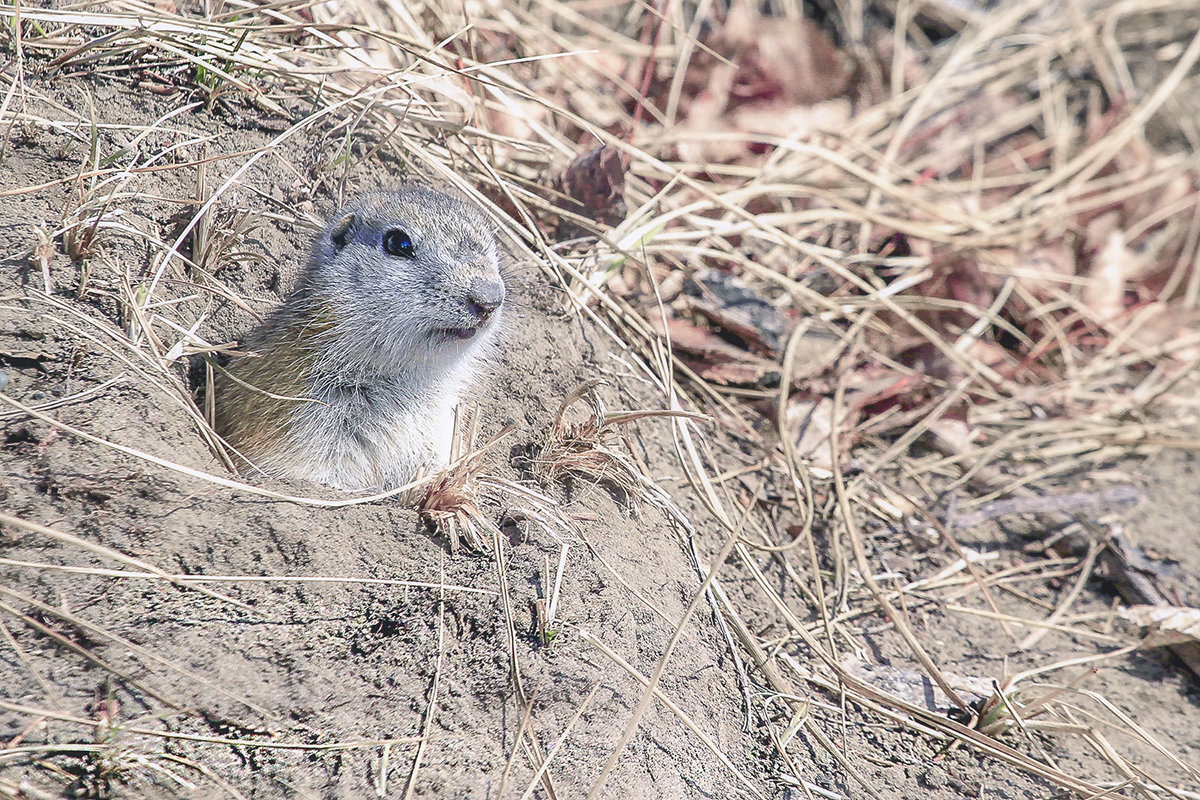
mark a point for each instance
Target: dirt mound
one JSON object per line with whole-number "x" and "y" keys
{"x": 393, "y": 652}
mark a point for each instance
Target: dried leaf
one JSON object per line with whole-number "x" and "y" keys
{"x": 716, "y": 360}
{"x": 864, "y": 390}
{"x": 1167, "y": 625}
{"x": 736, "y": 308}
{"x": 1104, "y": 293}
{"x": 956, "y": 433}
{"x": 813, "y": 421}
{"x": 595, "y": 181}
{"x": 916, "y": 687}
{"x": 25, "y": 359}
{"x": 786, "y": 59}
{"x": 762, "y": 75}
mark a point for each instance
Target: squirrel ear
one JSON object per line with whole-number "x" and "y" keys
{"x": 339, "y": 231}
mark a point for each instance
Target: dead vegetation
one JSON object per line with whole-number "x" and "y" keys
{"x": 882, "y": 271}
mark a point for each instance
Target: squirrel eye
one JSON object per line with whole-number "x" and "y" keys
{"x": 397, "y": 243}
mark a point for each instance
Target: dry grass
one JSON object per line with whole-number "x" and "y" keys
{"x": 979, "y": 158}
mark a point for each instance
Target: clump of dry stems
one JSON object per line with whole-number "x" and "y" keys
{"x": 451, "y": 503}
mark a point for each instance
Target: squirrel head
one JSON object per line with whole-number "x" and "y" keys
{"x": 410, "y": 278}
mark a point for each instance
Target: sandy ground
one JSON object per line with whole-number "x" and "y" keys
{"x": 307, "y": 688}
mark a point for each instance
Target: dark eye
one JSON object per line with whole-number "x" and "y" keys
{"x": 397, "y": 243}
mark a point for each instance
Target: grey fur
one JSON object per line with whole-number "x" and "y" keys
{"x": 371, "y": 351}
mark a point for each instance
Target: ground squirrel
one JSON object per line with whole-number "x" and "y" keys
{"x": 353, "y": 381}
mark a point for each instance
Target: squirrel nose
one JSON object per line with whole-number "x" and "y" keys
{"x": 484, "y": 297}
